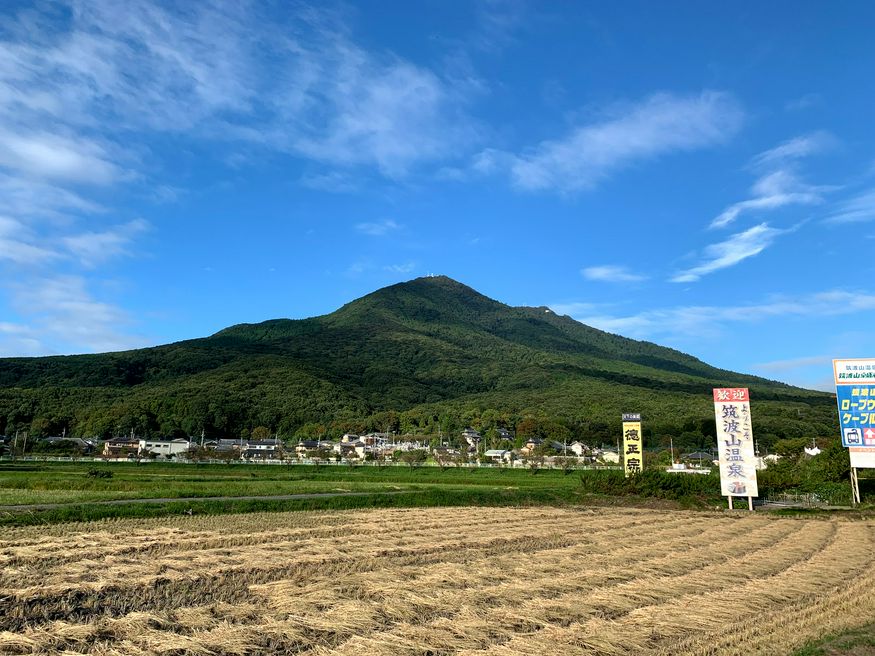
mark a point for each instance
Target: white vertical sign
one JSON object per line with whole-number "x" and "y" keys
{"x": 738, "y": 474}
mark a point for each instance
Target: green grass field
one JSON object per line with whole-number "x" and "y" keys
{"x": 70, "y": 483}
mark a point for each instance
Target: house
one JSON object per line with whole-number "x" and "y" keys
{"x": 530, "y": 445}
{"x": 472, "y": 437}
{"x": 165, "y": 448}
{"x": 84, "y": 446}
{"x": 121, "y": 447}
{"x": 504, "y": 434}
{"x": 304, "y": 446}
{"x": 261, "y": 449}
{"x": 699, "y": 457}
{"x": 356, "y": 449}
{"x": 579, "y": 449}
{"x": 498, "y": 455}
{"x": 609, "y": 456}
{"x": 223, "y": 445}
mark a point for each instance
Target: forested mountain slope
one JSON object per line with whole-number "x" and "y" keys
{"x": 411, "y": 355}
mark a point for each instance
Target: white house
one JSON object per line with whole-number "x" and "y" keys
{"x": 579, "y": 449}
{"x": 166, "y": 448}
{"x": 498, "y": 455}
{"x": 609, "y": 456}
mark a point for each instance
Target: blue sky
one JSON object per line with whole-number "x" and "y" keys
{"x": 701, "y": 175}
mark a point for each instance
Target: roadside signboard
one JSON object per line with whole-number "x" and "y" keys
{"x": 855, "y": 395}
{"x": 633, "y": 444}
{"x": 738, "y": 474}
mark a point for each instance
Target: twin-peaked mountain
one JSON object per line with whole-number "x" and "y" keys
{"x": 430, "y": 347}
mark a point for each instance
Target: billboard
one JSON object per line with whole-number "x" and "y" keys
{"x": 855, "y": 395}
{"x": 738, "y": 474}
{"x": 633, "y": 444}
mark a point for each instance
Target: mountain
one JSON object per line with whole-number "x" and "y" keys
{"x": 413, "y": 354}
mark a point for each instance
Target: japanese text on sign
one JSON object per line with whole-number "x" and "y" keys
{"x": 735, "y": 442}
{"x": 857, "y": 371}
{"x": 857, "y": 414}
{"x": 633, "y": 446}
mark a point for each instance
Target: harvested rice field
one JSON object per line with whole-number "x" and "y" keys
{"x": 485, "y": 581}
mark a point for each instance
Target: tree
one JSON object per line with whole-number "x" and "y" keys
{"x": 414, "y": 457}
{"x": 261, "y": 433}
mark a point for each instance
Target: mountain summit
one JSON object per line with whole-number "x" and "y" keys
{"x": 428, "y": 347}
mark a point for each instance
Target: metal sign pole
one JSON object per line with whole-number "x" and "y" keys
{"x": 750, "y": 503}
{"x": 730, "y": 502}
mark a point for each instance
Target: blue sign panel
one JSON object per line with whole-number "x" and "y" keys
{"x": 857, "y": 414}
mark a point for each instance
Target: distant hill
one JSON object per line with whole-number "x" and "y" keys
{"x": 414, "y": 355}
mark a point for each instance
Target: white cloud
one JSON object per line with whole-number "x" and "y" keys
{"x": 406, "y": 267}
{"x": 731, "y": 251}
{"x": 793, "y": 149}
{"x": 772, "y": 191}
{"x": 19, "y": 340}
{"x": 93, "y": 248}
{"x": 378, "y": 228}
{"x": 64, "y": 317}
{"x": 855, "y": 210}
{"x": 611, "y": 273}
{"x": 334, "y": 181}
{"x": 224, "y": 72}
{"x": 698, "y": 320}
{"x": 661, "y": 124}
{"x": 33, "y": 199}
{"x": 52, "y": 156}
{"x": 17, "y": 245}
{"x": 778, "y": 186}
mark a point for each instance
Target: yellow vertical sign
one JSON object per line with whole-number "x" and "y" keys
{"x": 633, "y": 444}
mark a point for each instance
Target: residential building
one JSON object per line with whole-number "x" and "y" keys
{"x": 165, "y": 448}
{"x": 121, "y": 447}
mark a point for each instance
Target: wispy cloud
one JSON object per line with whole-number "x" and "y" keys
{"x": 655, "y": 127}
{"x": 17, "y": 245}
{"x": 697, "y": 320}
{"x": 794, "y": 149}
{"x": 405, "y": 267}
{"x": 52, "y": 156}
{"x": 778, "y": 185}
{"x": 85, "y": 88}
{"x": 611, "y": 273}
{"x": 857, "y": 209}
{"x": 497, "y": 21}
{"x": 377, "y": 228}
{"x": 63, "y": 316}
{"x": 336, "y": 182}
{"x": 731, "y": 251}
{"x": 93, "y": 248}
{"x": 224, "y": 72}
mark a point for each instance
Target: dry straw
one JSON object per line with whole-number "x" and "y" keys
{"x": 467, "y": 581}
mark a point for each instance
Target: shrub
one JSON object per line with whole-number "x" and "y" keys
{"x": 98, "y": 473}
